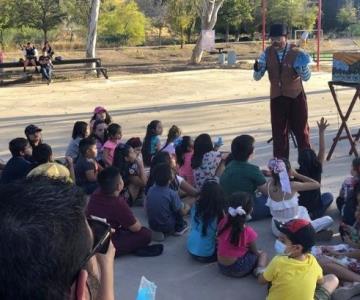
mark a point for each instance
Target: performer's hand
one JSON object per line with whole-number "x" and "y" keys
{"x": 323, "y": 124}
{"x": 256, "y": 66}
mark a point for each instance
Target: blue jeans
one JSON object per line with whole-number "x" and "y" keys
{"x": 46, "y": 72}
{"x": 326, "y": 200}
{"x": 261, "y": 211}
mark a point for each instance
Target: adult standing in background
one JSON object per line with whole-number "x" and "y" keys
{"x": 287, "y": 67}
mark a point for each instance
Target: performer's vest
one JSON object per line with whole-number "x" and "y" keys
{"x": 283, "y": 77}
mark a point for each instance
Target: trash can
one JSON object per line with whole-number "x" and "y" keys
{"x": 222, "y": 58}
{"x": 231, "y": 58}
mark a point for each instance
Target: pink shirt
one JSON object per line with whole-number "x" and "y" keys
{"x": 226, "y": 249}
{"x": 185, "y": 170}
{"x": 110, "y": 145}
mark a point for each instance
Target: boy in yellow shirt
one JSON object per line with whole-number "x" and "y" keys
{"x": 296, "y": 275}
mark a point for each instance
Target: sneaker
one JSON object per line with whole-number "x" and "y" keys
{"x": 347, "y": 292}
{"x": 157, "y": 236}
{"x": 182, "y": 230}
{"x": 324, "y": 235}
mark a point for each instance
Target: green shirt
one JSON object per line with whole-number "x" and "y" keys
{"x": 241, "y": 176}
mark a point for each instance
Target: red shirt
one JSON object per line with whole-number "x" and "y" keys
{"x": 115, "y": 210}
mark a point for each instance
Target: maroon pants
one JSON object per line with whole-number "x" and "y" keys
{"x": 126, "y": 242}
{"x": 289, "y": 114}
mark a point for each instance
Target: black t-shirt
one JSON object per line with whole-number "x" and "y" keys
{"x": 81, "y": 167}
{"x": 16, "y": 168}
{"x": 30, "y": 52}
{"x": 312, "y": 199}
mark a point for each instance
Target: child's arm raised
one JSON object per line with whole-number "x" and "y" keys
{"x": 322, "y": 125}
{"x": 304, "y": 184}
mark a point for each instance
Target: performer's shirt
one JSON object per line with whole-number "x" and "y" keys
{"x": 301, "y": 64}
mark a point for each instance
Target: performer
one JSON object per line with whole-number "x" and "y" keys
{"x": 287, "y": 66}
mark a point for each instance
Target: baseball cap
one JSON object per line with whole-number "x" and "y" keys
{"x": 31, "y": 129}
{"x": 52, "y": 170}
{"x": 99, "y": 109}
{"x": 299, "y": 232}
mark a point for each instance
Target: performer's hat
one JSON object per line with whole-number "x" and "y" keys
{"x": 278, "y": 30}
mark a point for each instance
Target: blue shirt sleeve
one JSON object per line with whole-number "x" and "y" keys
{"x": 301, "y": 65}
{"x": 262, "y": 67}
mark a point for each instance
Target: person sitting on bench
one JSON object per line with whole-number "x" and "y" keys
{"x": 48, "y": 49}
{"x": 46, "y": 66}
{"x": 30, "y": 54}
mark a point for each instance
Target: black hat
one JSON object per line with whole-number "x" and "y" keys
{"x": 31, "y": 129}
{"x": 278, "y": 30}
{"x": 299, "y": 232}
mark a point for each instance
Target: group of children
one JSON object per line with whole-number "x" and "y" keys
{"x": 220, "y": 193}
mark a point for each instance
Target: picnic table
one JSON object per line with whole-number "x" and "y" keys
{"x": 345, "y": 117}
{"x": 79, "y": 61}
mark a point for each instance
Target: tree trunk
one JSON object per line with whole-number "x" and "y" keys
{"x": 92, "y": 30}
{"x": 209, "y": 13}
{"x": 160, "y": 33}
{"x": 237, "y": 35}
{"x": 227, "y": 32}
{"x": 182, "y": 37}
{"x": 45, "y": 35}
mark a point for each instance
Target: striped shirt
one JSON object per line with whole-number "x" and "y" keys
{"x": 301, "y": 64}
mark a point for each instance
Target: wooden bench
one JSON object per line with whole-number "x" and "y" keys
{"x": 97, "y": 61}
{"x": 323, "y": 57}
{"x": 219, "y": 50}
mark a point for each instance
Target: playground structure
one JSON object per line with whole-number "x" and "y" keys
{"x": 318, "y": 31}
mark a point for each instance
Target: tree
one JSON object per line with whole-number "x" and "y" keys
{"x": 92, "y": 29}
{"x": 5, "y": 18}
{"x": 294, "y": 13}
{"x": 347, "y": 14}
{"x": 122, "y": 21}
{"x": 156, "y": 11}
{"x": 234, "y": 13}
{"x": 209, "y": 11}
{"x": 40, "y": 14}
{"x": 181, "y": 15}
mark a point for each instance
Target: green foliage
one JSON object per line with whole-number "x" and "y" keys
{"x": 235, "y": 12}
{"x": 294, "y": 13}
{"x": 122, "y": 22}
{"x": 181, "y": 16}
{"x": 347, "y": 14}
{"x": 40, "y": 14}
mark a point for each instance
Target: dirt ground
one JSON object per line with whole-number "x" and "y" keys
{"x": 221, "y": 102}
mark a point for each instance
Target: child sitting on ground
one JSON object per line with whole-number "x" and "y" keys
{"x": 17, "y": 167}
{"x": 164, "y": 208}
{"x": 296, "y": 275}
{"x": 237, "y": 253}
{"x": 184, "y": 152}
{"x": 283, "y": 200}
{"x": 114, "y": 136}
{"x": 99, "y": 133}
{"x": 132, "y": 171}
{"x": 46, "y": 166}
{"x": 107, "y": 202}
{"x": 345, "y": 202}
{"x": 100, "y": 113}
{"x": 343, "y": 260}
{"x": 80, "y": 131}
{"x": 310, "y": 165}
{"x": 86, "y": 167}
{"x": 152, "y": 144}
{"x": 172, "y": 138}
{"x": 205, "y": 216}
